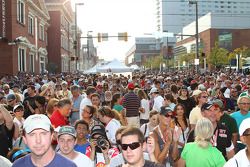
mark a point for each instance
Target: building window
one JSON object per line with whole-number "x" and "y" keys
{"x": 21, "y": 60}
{"x": 32, "y": 63}
{"x": 30, "y": 25}
{"x": 41, "y": 32}
{"x": 20, "y": 11}
{"x": 42, "y": 64}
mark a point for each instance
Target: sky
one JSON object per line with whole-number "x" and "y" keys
{"x": 113, "y": 16}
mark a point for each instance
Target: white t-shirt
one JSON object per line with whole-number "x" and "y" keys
{"x": 158, "y": 102}
{"x": 145, "y": 106}
{"x": 19, "y": 123}
{"x": 82, "y": 160}
{"x": 195, "y": 115}
{"x": 240, "y": 158}
{"x": 111, "y": 129}
{"x": 84, "y": 102}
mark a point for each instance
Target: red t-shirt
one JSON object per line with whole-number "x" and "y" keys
{"x": 57, "y": 119}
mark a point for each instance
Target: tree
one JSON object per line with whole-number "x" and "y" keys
{"x": 218, "y": 56}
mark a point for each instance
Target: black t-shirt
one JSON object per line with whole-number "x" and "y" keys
{"x": 6, "y": 137}
{"x": 188, "y": 103}
{"x": 224, "y": 138}
{"x": 149, "y": 164}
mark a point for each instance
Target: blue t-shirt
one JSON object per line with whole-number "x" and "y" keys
{"x": 58, "y": 160}
{"x": 239, "y": 117}
{"x": 81, "y": 148}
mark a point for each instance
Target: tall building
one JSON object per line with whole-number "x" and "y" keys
{"x": 61, "y": 37}
{"x": 172, "y": 15}
{"x": 23, "y": 36}
{"x": 142, "y": 50}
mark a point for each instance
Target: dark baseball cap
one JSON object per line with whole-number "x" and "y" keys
{"x": 206, "y": 106}
{"x": 165, "y": 110}
{"x": 11, "y": 97}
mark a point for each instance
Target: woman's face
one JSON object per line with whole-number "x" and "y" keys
{"x": 179, "y": 111}
{"x": 154, "y": 120}
{"x": 86, "y": 112}
{"x": 184, "y": 92}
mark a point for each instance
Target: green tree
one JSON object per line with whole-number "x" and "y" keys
{"x": 218, "y": 56}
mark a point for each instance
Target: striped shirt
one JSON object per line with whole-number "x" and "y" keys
{"x": 132, "y": 104}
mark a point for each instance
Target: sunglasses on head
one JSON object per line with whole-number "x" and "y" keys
{"x": 132, "y": 146}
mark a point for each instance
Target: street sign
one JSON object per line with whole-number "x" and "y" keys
{"x": 196, "y": 62}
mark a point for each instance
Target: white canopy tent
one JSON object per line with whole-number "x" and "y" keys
{"x": 114, "y": 66}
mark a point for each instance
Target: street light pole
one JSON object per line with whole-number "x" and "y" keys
{"x": 197, "y": 30}
{"x": 76, "y": 33}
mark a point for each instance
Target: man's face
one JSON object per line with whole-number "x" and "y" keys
{"x": 244, "y": 104}
{"x": 66, "y": 143}
{"x": 75, "y": 93}
{"x": 211, "y": 114}
{"x": 38, "y": 141}
{"x": 81, "y": 131}
{"x": 11, "y": 102}
{"x": 132, "y": 156}
{"x": 246, "y": 138}
{"x": 203, "y": 98}
{"x": 66, "y": 110}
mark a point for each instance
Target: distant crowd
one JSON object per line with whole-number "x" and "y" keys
{"x": 152, "y": 120}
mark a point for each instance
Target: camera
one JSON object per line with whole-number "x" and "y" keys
{"x": 102, "y": 142}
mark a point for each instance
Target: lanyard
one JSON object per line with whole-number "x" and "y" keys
{"x": 161, "y": 135}
{"x": 214, "y": 138}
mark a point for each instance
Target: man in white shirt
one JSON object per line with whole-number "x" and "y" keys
{"x": 242, "y": 158}
{"x": 157, "y": 99}
{"x": 66, "y": 142}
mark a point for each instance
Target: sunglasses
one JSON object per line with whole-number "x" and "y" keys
{"x": 168, "y": 115}
{"x": 132, "y": 146}
{"x": 204, "y": 97}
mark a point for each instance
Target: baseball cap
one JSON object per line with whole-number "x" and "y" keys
{"x": 36, "y": 121}
{"x": 131, "y": 86}
{"x": 64, "y": 82}
{"x": 69, "y": 130}
{"x": 218, "y": 102}
{"x": 17, "y": 106}
{"x": 206, "y": 106}
{"x": 11, "y": 97}
{"x": 153, "y": 90}
{"x": 245, "y": 124}
{"x": 196, "y": 92}
{"x": 164, "y": 110}
{"x": 98, "y": 129}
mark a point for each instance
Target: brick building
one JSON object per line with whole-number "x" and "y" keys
{"x": 23, "y": 36}
{"x": 61, "y": 36}
{"x": 230, "y": 32}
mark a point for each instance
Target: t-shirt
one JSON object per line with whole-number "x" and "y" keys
{"x": 229, "y": 122}
{"x": 81, "y": 148}
{"x": 149, "y": 164}
{"x": 239, "y": 117}
{"x": 57, "y": 119}
{"x": 58, "y": 160}
{"x": 240, "y": 160}
{"x": 222, "y": 139}
{"x": 158, "y": 102}
{"x": 118, "y": 108}
{"x": 195, "y": 115}
{"x": 118, "y": 160}
{"x": 6, "y": 137}
{"x": 4, "y": 162}
{"x": 196, "y": 156}
{"x": 145, "y": 106}
{"x": 111, "y": 129}
{"x": 82, "y": 160}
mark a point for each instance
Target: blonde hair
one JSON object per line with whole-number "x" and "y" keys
{"x": 203, "y": 132}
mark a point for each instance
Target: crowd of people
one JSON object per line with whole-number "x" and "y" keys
{"x": 152, "y": 120}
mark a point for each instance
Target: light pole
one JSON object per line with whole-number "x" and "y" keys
{"x": 191, "y": 2}
{"x": 88, "y": 41}
{"x": 76, "y": 33}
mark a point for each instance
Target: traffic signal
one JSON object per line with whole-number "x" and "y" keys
{"x": 125, "y": 36}
{"x": 99, "y": 37}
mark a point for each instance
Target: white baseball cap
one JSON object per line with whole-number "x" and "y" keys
{"x": 36, "y": 121}
{"x": 245, "y": 124}
{"x": 153, "y": 90}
